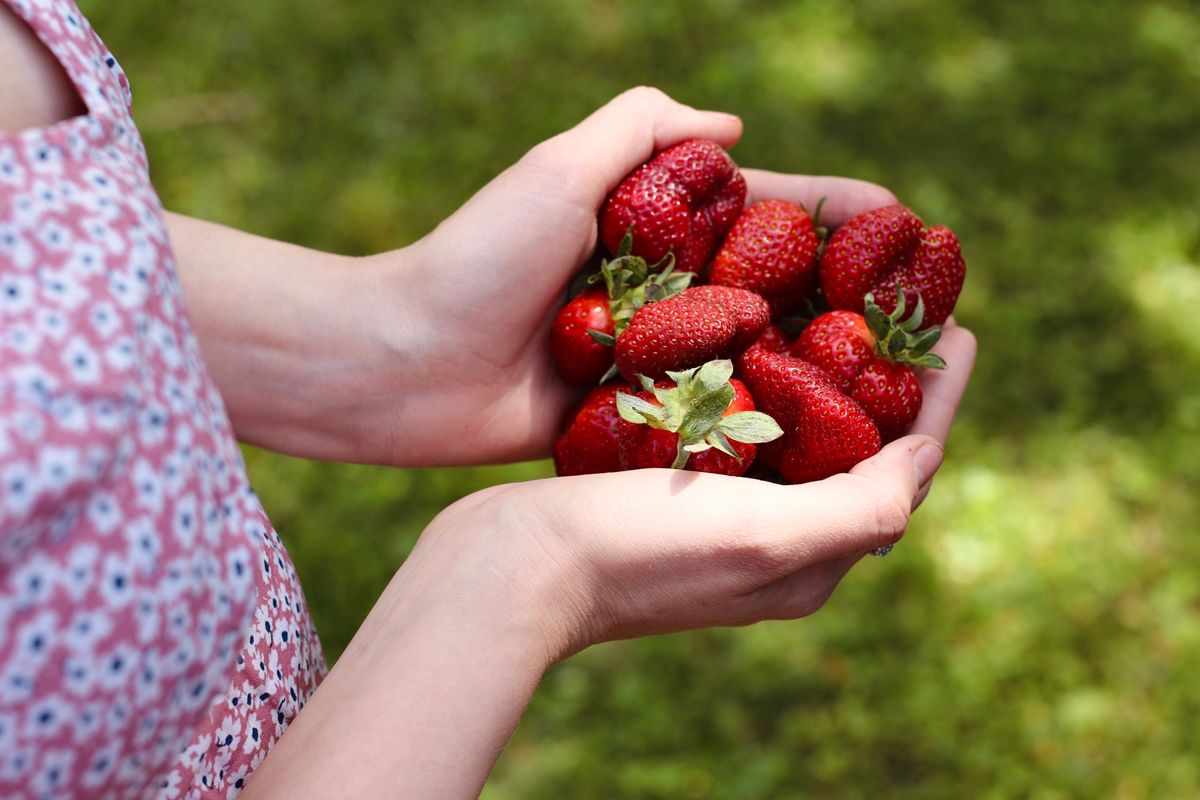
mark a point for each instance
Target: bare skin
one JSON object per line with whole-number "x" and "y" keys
{"x": 35, "y": 89}
{"x": 424, "y": 356}
{"x": 508, "y": 581}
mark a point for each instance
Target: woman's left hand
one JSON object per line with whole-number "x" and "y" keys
{"x": 438, "y": 353}
{"x": 480, "y": 382}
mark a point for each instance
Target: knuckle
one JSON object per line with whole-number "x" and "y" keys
{"x": 892, "y": 511}
{"x": 887, "y": 507}
{"x": 646, "y": 98}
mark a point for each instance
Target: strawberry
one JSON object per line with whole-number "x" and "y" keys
{"x": 681, "y": 201}
{"x": 589, "y": 442}
{"x": 773, "y": 339}
{"x": 584, "y": 330}
{"x": 697, "y": 325}
{"x": 870, "y": 357}
{"x": 875, "y": 251}
{"x": 580, "y": 358}
{"x": 702, "y": 419}
{"x": 772, "y": 250}
{"x": 750, "y": 312}
{"x": 824, "y": 431}
{"x": 890, "y": 394}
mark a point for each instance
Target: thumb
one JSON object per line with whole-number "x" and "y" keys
{"x": 597, "y": 153}
{"x": 868, "y": 507}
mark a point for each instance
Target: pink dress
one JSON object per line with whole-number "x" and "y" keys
{"x": 154, "y": 641}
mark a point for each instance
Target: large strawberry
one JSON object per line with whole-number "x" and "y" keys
{"x": 875, "y": 251}
{"x": 824, "y": 431}
{"x": 589, "y": 442}
{"x": 751, "y": 313}
{"x": 870, "y": 357}
{"x": 681, "y": 201}
{"x": 701, "y": 419}
{"x": 771, "y": 250}
{"x": 697, "y": 325}
{"x": 584, "y": 330}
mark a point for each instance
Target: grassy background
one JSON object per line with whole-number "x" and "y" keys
{"x": 1036, "y": 635}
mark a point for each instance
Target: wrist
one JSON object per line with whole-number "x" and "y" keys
{"x": 488, "y": 561}
{"x": 301, "y": 343}
{"x": 427, "y": 694}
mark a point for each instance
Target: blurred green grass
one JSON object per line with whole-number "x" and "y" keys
{"x": 1036, "y": 633}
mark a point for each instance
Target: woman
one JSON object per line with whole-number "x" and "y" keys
{"x": 153, "y": 638}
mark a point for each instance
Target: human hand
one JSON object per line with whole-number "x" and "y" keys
{"x": 483, "y": 287}
{"x": 654, "y": 551}
{"x": 509, "y": 580}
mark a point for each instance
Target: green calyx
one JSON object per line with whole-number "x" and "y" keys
{"x": 694, "y": 409}
{"x": 900, "y": 340}
{"x": 822, "y": 231}
{"x": 632, "y": 283}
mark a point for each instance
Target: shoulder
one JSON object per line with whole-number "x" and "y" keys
{"x": 34, "y": 90}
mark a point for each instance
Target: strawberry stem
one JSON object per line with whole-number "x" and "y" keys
{"x": 896, "y": 340}
{"x": 681, "y": 456}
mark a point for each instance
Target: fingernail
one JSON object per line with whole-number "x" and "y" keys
{"x": 926, "y": 461}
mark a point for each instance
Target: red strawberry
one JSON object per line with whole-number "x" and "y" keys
{"x": 583, "y": 332}
{"x": 750, "y": 312}
{"x": 890, "y": 394}
{"x": 589, "y": 443}
{"x": 681, "y": 201}
{"x": 824, "y": 431}
{"x": 773, "y": 339}
{"x": 875, "y": 251}
{"x": 870, "y": 358}
{"x": 771, "y": 250}
{"x": 697, "y": 325}
{"x": 701, "y": 419}
{"x": 580, "y": 358}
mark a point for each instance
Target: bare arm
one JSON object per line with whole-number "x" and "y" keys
{"x": 306, "y": 347}
{"x": 33, "y": 87}
{"x": 510, "y": 580}
{"x": 438, "y": 353}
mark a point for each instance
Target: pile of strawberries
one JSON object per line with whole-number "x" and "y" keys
{"x": 722, "y": 338}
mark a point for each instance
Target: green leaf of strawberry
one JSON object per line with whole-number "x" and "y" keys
{"x": 901, "y": 340}
{"x": 751, "y": 427}
{"x": 697, "y": 410}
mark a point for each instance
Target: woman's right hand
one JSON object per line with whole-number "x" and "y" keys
{"x": 655, "y": 551}
{"x": 510, "y": 580}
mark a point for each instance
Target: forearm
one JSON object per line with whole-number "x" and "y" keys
{"x": 295, "y": 338}
{"x": 355, "y": 359}
{"x": 425, "y": 697}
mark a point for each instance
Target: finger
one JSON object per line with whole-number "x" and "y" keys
{"x": 844, "y": 197}
{"x": 943, "y": 389}
{"x": 760, "y": 530}
{"x": 625, "y": 132}
{"x": 869, "y": 506}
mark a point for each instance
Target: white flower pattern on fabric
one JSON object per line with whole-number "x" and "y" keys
{"x": 154, "y": 641}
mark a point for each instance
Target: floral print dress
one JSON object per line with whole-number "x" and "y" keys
{"x": 154, "y": 640}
